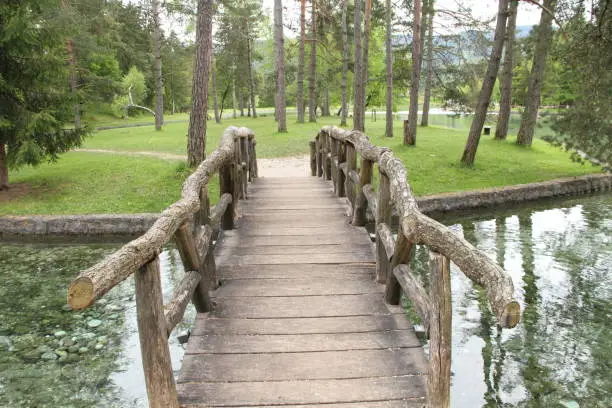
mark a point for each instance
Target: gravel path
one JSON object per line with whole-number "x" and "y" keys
{"x": 296, "y": 166}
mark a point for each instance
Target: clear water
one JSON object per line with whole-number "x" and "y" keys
{"x": 559, "y": 255}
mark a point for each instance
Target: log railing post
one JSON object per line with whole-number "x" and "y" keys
{"x": 313, "y": 158}
{"x": 351, "y": 165}
{"x": 334, "y": 162}
{"x": 340, "y": 187}
{"x": 383, "y": 215}
{"x": 402, "y": 255}
{"x": 328, "y": 157}
{"x": 440, "y": 326}
{"x": 244, "y": 160}
{"x": 227, "y": 185}
{"x": 188, "y": 250}
{"x": 238, "y": 169}
{"x": 361, "y": 202}
{"x": 156, "y": 363}
{"x": 319, "y": 154}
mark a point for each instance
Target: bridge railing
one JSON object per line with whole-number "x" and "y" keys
{"x": 192, "y": 222}
{"x": 334, "y": 156}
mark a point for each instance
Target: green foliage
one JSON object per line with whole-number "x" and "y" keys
{"x": 35, "y": 103}
{"x": 134, "y": 83}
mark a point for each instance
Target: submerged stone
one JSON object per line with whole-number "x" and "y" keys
{"x": 83, "y": 350}
{"x": 59, "y": 333}
{"x": 49, "y": 356}
{"x": 94, "y": 323}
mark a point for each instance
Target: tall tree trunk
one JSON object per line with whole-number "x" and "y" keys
{"x": 410, "y": 130}
{"x": 389, "y": 63}
{"x": 196, "y": 143}
{"x": 366, "y": 51}
{"x": 484, "y": 98}
{"x": 301, "y": 61}
{"x": 214, "y": 86}
{"x": 505, "y": 103}
{"x": 251, "y": 76}
{"x": 159, "y": 80}
{"x": 325, "y": 104}
{"x": 312, "y": 76}
{"x": 281, "y": 110}
{"x": 344, "y": 104}
{"x": 532, "y": 99}
{"x": 4, "y": 178}
{"x": 429, "y": 77}
{"x": 73, "y": 83}
{"x": 241, "y": 102}
{"x": 234, "y": 100}
{"x": 359, "y": 94}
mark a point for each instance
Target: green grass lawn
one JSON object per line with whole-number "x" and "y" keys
{"x": 83, "y": 182}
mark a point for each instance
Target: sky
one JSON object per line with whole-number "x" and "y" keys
{"x": 528, "y": 14}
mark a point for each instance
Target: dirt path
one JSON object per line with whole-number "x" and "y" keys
{"x": 296, "y": 166}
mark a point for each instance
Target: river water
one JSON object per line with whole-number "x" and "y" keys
{"x": 558, "y": 253}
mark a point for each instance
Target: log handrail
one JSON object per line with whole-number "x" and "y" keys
{"x": 193, "y": 223}
{"x": 394, "y": 255}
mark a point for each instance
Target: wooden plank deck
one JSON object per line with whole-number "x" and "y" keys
{"x": 299, "y": 320}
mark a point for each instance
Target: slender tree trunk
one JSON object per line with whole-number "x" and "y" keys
{"x": 281, "y": 109}
{"x": 312, "y": 76}
{"x": 73, "y": 83}
{"x": 196, "y": 143}
{"x": 484, "y": 98}
{"x": 4, "y": 178}
{"x": 241, "y": 102}
{"x": 325, "y": 104}
{"x": 159, "y": 80}
{"x": 366, "y": 51}
{"x": 389, "y": 63}
{"x": 532, "y": 99}
{"x": 251, "y": 77}
{"x": 410, "y": 130}
{"x": 358, "y": 91}
{"x": 429, "y": 77}
{"x": 234, "y": 100}
{"x": 505, "y": 103}
{"x": 214, "y": 86}
{"x": 301, "y": 62}
{"x": 345, "y": 46}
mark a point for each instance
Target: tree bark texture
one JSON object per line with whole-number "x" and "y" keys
{"x": 196, "y": 139}
{"x": 301, "y": 61}
{"x": 532, "y": 99}
{"x": 358, "y": 91}
{"x": 367, "y": 29}
{"x": 389, "y": 64}
{"x": 345, "y": 52}
{"x": 251, "y": 78}
{"x": 214, "y": 92}
{"x": 175, "y": 309}
{"x": 312, "y": 76}
{"x": 429, "y": 74}
{"x": 281, "y": 110}
{"x": 505, "y": 102}
{"x": 159, "y": 79}
{"x": 156, "y": 363}
{"x": 469, "y": 153}
{"x": 4, "y": 177}
{"x": 74, "y": 83}
{"x": 410, "y": 135}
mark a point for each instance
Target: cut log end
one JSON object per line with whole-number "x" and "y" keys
{"x": 511, "y": 315}
{"x": 80, "y": 293}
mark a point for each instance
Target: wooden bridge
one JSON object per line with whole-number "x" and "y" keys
{"x": 296, "y": 306}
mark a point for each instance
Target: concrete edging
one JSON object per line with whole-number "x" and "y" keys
{"x": 121, "y": 226}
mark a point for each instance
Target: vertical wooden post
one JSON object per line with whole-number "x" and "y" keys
{"x": 253, "y": 156}
{"x": 202, "y": 217}
{"x": 328, "y": 157}
{"x": 333, "y": 161}
{"x": 351, "y": 164}
{"x": 188, "y": 250}
{"x": 238, "y": 168}
{"x": 340, "y": 191}
{"x": 313, "y": 158}
{"x": 401, "y": 255}
{"x": 383, "y": 215}
{"x": 156, "y": 362}
{"x": 361, "y": 202}
{"x": 319, "y": 155}
{"x": 244, "y": 163}
{"x": 227, "y": 185}
{"x": 440, "y": 330}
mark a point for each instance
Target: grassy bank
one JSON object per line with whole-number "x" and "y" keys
{"x": 112, "y": 183}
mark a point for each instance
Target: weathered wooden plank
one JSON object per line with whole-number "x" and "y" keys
{"x": 402, "y": 403}
{"x": 229, "y": 238}
{"x": 284, "y": 220}
{"x": 296, "y": 287}
{"x": 303, "y": 306}
{"x": 268, "y": 230}
{"x": 232, "y": 344}
{"x": 251, "y": 206}
{"x": 365, "y": 247}
{"x": 323, "y": 258}
{"x": 305, "y": 271}
{"x": 357, "y": 390}
{"x": 205, "y": 324}
{"x": 303, "y": 366}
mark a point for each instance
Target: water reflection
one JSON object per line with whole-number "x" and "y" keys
{"x": 559, "y": 259}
